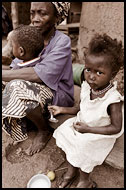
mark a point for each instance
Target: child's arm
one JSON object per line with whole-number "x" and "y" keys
{"x": 64, "y": 110}
{"x": 114, "y": 128}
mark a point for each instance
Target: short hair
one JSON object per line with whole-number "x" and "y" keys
{"x": 30, "y": 38}
{"x": 105, "y": 45}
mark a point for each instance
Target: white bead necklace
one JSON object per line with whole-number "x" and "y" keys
{"x": 99, "y": 92}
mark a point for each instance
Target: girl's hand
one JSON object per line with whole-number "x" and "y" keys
{"x": 81, "y": 127}
{"x": 55, "y": 109}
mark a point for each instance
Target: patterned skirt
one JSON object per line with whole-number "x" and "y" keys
{"x": 19, "y": 97}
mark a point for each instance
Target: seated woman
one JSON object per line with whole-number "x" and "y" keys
{"x": 28, "y": 88}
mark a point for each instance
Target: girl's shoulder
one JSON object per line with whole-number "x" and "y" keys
{"x": 85, "y": 90}
{"x": 85, "y": 85}
{"x": 114, "y": 93}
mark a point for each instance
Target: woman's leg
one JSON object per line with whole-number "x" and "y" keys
{"x": 44, "y": 131}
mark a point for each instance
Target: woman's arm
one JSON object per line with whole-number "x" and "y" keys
{"x": 64, "y": 110}
{"x": 6, "y": 60}
{"x": 113, "y": 128}
{"x": 25, "y": 73}
{"x": 6, "y": 67}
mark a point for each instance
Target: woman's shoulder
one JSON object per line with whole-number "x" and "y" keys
{"x": 60, "y": 35}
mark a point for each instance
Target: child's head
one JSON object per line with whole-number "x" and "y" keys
{"x": 103, "y": 60}
{"x": 27, "y": 42}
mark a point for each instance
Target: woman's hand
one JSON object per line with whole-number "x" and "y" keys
{"x": 81, "y": 127}
{"x": 55, "y": 109}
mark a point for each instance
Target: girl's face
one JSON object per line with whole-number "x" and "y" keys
{"x": 97, "y": 72}
{"x": 42, "y": 15}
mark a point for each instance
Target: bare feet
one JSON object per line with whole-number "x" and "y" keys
{"x": 39, "y": 142}
{"x": 85, "y": 181}
{"x": 86, "y": 184}
{"x": 68, "y": 177}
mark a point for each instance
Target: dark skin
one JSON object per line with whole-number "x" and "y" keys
{"x": 44, "y": 131}
{"x": 6, "y": 61}
{"x": 98, "y": 74}
{"x": 24, "y": 73}
{"x": 42, "y": 16}
{"x": 5, "y": 67}
{"x": 113, "y": 128}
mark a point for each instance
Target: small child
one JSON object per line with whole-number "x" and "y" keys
{"x": 27, "y": 42}
{"x": 88, "y": 138}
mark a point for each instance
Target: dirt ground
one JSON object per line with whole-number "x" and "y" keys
{"x": 18, "y": 168}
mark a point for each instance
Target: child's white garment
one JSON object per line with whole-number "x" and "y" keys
{"x": 87, "y": 150}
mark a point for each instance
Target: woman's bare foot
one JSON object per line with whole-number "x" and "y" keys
{"x": 39, "y": 142}
{"x": 68, "y": 177}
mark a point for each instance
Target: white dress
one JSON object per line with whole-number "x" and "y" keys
{"x": 87, "y": 150}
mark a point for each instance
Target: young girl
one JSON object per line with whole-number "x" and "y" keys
{"x": 88, "y": 138}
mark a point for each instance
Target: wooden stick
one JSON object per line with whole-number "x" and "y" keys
{"x": 61, "y": 169}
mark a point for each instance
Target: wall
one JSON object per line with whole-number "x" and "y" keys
{"x": 74, "y": 12}
{"x": 24, "y": 11}
{"x": 100, "y": 17}
{"x": 24, "y": 14}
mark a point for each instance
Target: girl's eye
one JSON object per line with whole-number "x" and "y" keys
{"x": 99, "y": 73}
{"x": 87, "y": 70}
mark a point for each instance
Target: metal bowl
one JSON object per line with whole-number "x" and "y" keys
{"x": 39, "y": 181}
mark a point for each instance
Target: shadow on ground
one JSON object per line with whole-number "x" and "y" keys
{"x": 18, "y": 168}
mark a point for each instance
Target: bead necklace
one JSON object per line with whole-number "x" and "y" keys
{"x": 99, "y": 92}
